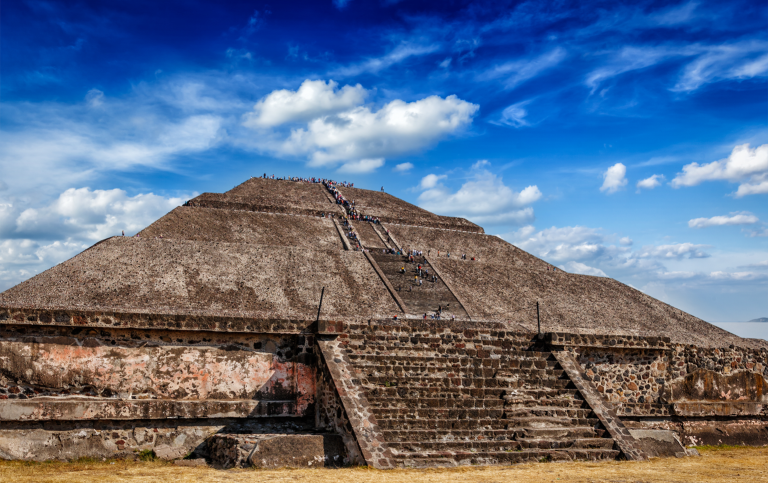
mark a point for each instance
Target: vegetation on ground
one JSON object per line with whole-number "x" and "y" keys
{"x": 716, "y": 465}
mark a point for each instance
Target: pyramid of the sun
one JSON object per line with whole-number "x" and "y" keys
{"x": 210, "y": 316}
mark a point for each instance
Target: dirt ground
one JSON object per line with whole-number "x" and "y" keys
{"x": 718, "y": 465}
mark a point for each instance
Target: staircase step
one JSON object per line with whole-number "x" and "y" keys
{"x": 448, "y": 458}
{"x": 381, "y": 392}
{"x": 501, "y": 445}
{"x": 481, "y": 413}
{"x": 465, "y": 381}
{"x": 480, "y": 434}
{"x": 494, "y": 423}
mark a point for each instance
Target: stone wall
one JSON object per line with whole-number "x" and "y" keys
{"x": 653, "y": 377}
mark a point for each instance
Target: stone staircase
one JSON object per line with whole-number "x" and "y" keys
{"x": 419, "y": 299}
{"x": 451, "y": 396}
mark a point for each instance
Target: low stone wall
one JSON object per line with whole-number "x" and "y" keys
{"x": 651, "y": 377}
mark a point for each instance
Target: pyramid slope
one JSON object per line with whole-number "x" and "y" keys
{"x": 183, "y": 277}
{"x": 236, "y": 260}
{"x": 573, "y": 303}
{"x": 214, "y": 225}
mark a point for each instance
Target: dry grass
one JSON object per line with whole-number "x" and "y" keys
{"x": 715, "y": 465}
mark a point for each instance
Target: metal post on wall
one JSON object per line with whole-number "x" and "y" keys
{"x": 322, "y": 292}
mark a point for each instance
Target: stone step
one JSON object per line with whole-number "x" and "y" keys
{"x": 426, "y": 460}
{"x": 525, "y": 382}
{"x": 510, "y": 355}
{"x": 473, "y": 403}
{"x": 460, "y": 372}
{"x": 475, "y": 393}
{"x": 501, "y": 445}
{"x": 440, "y": 330}
{"x": 568, "y": 414}
{"x": 410, "y": 350}
{"x": 482, "y": 434}
{"x": 383, "y": 362}
{"x": 492, "y": 423}
{"x": 460, "y": 340}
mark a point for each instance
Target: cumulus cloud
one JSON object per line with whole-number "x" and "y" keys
{"x": 570, "y": 243}
{"x": 484, "y": 198}
{"x": 35, "y": 238}
{"x": 743, "y": 218}
{"x": 397, "y": 128}
{"x": 362, "y": 166}
{"x": 650, "y": 183}
{"x": 430, "y": 181}
{"x": 614, "y": 178}
{"x": 626, "y": 241}
{"x": 745, "y": 165}
{"x": 402, "y": 167}
{"x": 313, "y": 99}
{"x": 582, "y": 269}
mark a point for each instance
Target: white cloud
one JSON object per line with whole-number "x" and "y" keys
{"x": 650, "y": 183}
{"x": 514, "y": 115}
{"x": 32, "y": 239}
{"x": 741, "y": 60}
{"x": 362, "y": 166}
{"x": 745, "y": 165}
{"x": 430, "y": 181}
{"x": 570, "y": 243}
{"x": 400, "y": 53}
{"x": 626, "y": 241}
{"x": 759, "y": 265}
{"x": 402, "y": 167}
{"x": 483, "y": 199}
{"x": 613, "y": 178}
{"x": 397, "y": 128}
{"x": 743, "y": 218}
{"x": 672, "y": 251}
{"x": 582, "y": 269}
{"x": 313, "y": 99}
{"x": 519, "y": 71}
{"x": 94, "y": 98}
{"x": 628, "y": 59}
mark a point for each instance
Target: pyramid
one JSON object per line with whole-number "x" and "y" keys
{"x": 302, "y": 306}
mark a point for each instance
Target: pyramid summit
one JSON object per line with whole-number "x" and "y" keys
{"x": 406, "y": 338}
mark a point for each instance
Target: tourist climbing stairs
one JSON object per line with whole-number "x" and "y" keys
{"x": 445, "y": 397}
{"x": 420, "y": 298}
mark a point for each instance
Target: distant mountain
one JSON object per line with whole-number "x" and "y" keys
{"x": 761, "y": 319}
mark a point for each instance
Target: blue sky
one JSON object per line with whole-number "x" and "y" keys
{"x": 627, "y": 140}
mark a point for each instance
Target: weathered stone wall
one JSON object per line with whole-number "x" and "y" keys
{"x": 169, "y": 438}
{"x": 653, "y": 377}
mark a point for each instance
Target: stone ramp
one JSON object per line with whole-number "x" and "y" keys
{"x": 418, "y": 299}
{"x": 452, "y": 396}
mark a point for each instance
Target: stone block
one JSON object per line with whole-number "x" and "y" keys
{"x": 276, "y": 450}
